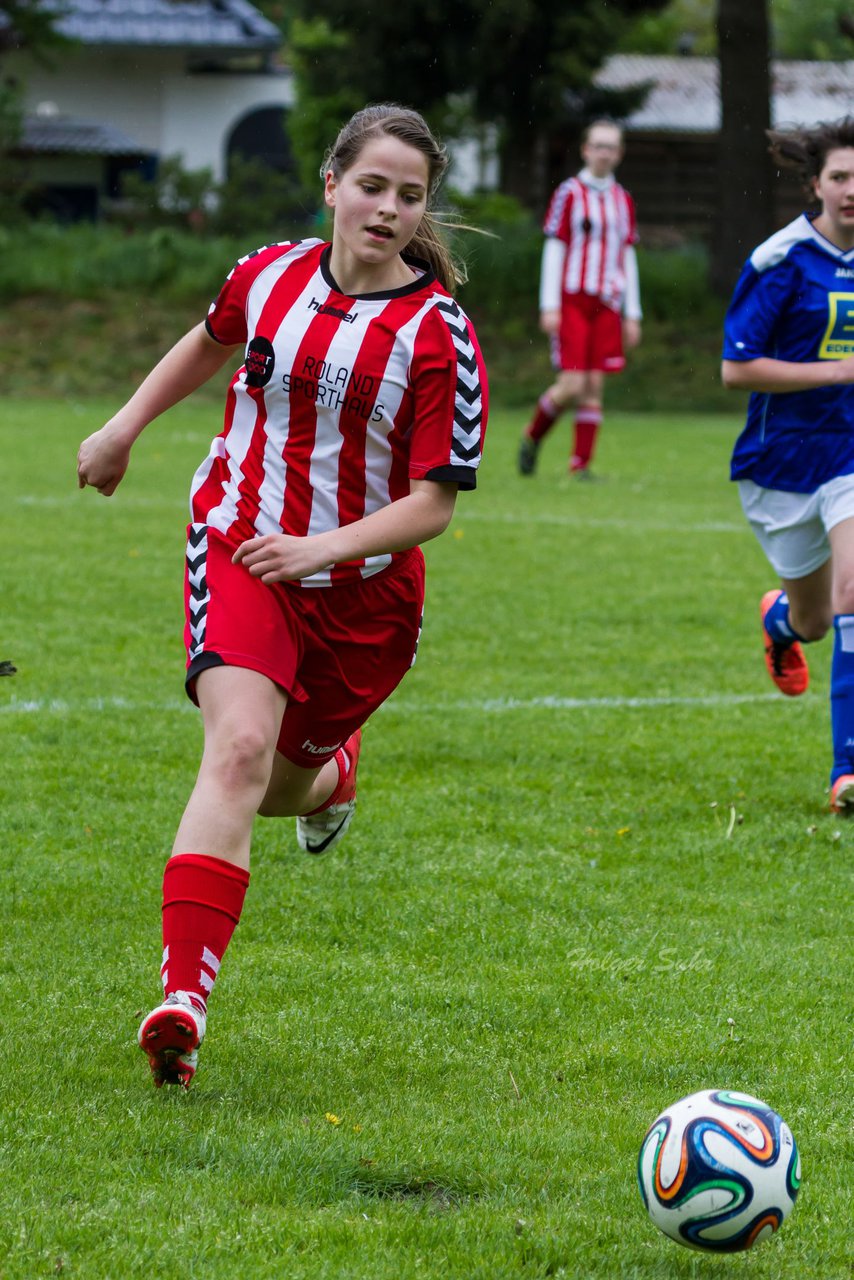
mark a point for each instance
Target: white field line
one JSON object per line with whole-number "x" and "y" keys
{"x": 559, "y": 520}
{"x": 589, "y": 522}
{"x": 134, "y": 501}
{"x": 488, "y": 706}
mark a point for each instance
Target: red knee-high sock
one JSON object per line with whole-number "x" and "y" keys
{"x": 546, "y": 415}
{"x": 587, "y": 424}
{"x": 346, "y": 758}
{"x": 202, "y": 902}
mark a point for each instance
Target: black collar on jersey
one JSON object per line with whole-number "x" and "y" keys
{"x": 428, "y": 277}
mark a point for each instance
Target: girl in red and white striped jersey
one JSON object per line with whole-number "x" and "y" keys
{"x": 357, "y": 414}
{"x": 589, "y": 295}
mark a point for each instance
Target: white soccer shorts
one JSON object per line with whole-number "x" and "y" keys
{"x": 792, "y": 528}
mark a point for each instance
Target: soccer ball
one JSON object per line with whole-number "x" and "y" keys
{"x": 718, "y": 1171}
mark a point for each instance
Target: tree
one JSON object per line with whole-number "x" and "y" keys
{"x": 533, "y": 76}
{"x": 24, "y": 24}
{"x": 526, "y": 66}
{"x": 821, "y": 30}
{"x": 744, "y": 213}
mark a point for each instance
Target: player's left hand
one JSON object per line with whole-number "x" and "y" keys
{"x": 279, "y": 557}
{"x": 631, "y": 334}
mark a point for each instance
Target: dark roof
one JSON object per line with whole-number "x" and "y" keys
{"x": 53, "y": 135}
{"x": 196, "y": 24}
{"x": 684, "y": 97}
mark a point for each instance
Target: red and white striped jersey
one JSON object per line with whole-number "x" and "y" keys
{"x": 596, "y": 222}
{"x": 341, "y": 400}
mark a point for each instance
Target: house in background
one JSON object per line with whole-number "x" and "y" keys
{"x": 146, "y": 79}
{"x": 671, "y": 161}
{"x": 202, "y": 80}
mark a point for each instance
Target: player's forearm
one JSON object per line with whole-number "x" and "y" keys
{"x": 422, "y": 515}
{"x": 551, "y": 274}
{"x": 766, "y": 374}
{"x": 187, "y": 366}
{"x": 631, "y": 299}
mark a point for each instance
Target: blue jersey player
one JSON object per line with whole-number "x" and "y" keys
{"x": 789, "y": 339}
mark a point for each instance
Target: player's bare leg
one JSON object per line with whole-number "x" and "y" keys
{"x": 324, "y": 799}
{"x": 242, "y": 712}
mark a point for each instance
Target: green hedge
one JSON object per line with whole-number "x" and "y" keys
{"x": 174, "y": 271}
{"x": 87, "y": 261}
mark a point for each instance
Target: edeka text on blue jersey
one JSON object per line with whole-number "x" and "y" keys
{"x": 838, "y": 341}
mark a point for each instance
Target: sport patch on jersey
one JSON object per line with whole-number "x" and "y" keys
{"x": 838, "y": 341}
{"x": 260, "y": 362}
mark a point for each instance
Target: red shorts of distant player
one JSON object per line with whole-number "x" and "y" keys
{"x": 590, "y": 337}
{"x": 338, "y": 652}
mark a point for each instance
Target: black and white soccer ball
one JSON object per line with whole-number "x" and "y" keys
{"x": 719, "y": 1171}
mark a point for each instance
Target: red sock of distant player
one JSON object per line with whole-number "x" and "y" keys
{"x": 587, "y": 424}
{"x": 546, "y": 415}
{"x": 202, "y": 902}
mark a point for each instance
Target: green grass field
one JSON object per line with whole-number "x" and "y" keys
{"x": 592, "y": 870}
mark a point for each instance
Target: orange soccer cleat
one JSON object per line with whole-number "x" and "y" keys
{"x": 786, "y": 663}
{"x": 842, "y": 795}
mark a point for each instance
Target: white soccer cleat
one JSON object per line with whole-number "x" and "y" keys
{"x": 170, "y": 1036}
{"x": 322, "y": 831}
{"x": 318, "y": 832}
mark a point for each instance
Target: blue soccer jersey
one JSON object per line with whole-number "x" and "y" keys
{"x": 794, "y": 301}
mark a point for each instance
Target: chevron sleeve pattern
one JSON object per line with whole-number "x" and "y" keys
{"x": 450, "y": 403}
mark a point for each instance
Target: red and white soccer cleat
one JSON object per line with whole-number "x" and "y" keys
{"x": 318, "y": 832}
{"x": 786, "y": 663}
{"x": 170, "y": 1036}
{"x": 842, "y": 795}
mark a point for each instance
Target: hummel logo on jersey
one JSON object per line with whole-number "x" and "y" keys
{"x": 260, "y": 360}
{"x": 847, "y": 273}
{"x": 324, "y": 309}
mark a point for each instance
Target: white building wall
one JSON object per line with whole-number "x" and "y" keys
{"x": 149, "y": 95}
{"x": 474, "y": 162}
{"x": 200, "y": 112}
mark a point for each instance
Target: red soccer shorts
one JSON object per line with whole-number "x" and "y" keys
{"x": 338, "y": 652}
{"x": 590, "y": 337}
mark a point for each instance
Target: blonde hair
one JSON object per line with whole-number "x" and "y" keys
{"x": 409, "y": 127}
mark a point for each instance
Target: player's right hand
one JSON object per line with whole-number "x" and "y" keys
{"x": 102, "y": 461}
{"x": 550, "y": 322}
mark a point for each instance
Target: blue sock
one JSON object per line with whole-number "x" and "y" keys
{"x": 777, "y": 622}
{"x": 842, "y": 695}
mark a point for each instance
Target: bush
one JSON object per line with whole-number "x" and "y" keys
{"x": 265, "y": 205}
{"x": 84, "y": 262}
{"x": 254, "y": 202}
{"x": 143, "y": 274}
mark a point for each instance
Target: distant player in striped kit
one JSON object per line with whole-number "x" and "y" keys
{"x": 357, "y": 414}
{"x": 789, "y": 340}
{"x": 589, "y": 296}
